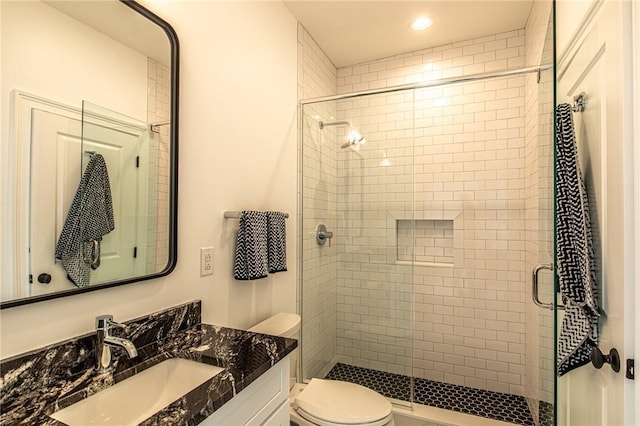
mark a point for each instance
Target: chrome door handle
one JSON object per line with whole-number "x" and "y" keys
{"x": 534, "y": 287}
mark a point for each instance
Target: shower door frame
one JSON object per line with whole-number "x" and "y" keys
{"x": 431, "y": 83}
{"x": 405, "y": 87}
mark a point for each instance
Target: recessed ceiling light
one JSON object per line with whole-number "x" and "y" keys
{"x": 420, "y": 24}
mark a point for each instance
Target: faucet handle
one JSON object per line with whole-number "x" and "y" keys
{"x": 106, "y": 321}
{"x": 102, "y": 321}
{"x": 112, "y": 323}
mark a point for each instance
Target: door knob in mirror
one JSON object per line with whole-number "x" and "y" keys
{"x": 598, "y": 359}
{"x": 44, "y": 278}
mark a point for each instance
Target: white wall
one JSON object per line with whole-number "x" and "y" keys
{"x": 49, "y": 54}
{"x": 237, "y": 151}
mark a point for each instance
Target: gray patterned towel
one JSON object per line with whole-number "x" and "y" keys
{"x": 277, "y": 241}
{"x": 251, "y": 246}
{"x": 90, "y": 217}
{"x": 576, "y": 270}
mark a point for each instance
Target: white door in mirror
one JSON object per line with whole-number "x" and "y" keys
{"x": 139, "y": 397}
{"x": 57, "y": 147}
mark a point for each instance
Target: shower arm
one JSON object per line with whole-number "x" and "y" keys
{"x": 323, "y": 124}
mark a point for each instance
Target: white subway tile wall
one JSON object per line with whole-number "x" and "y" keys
{"x": 317, "y": 77}
{"x": 158, "y": 110}
{"x": 496, "y": 52}
{"x": 453, "y": 149}
{"x": 430, "y": 241}
{"x": 374, "y": 289}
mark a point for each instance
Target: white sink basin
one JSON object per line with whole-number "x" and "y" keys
{"x": 140, "y": 396}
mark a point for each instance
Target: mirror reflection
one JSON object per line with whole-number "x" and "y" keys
{"x": 88, "y": 176}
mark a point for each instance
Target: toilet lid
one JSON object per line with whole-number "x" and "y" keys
{"x": 342, "y": 402}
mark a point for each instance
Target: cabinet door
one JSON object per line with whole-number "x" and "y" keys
{"x": 260, "y": 403}
{"x": 281, "y": 417}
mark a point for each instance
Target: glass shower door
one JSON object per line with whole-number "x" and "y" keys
{"x": 541, "y": 335}
{"x": 318, "y": 289}
{"x": 357, "y": 287}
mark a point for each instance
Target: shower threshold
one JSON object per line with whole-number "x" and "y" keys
{"x": 492, "y": 405}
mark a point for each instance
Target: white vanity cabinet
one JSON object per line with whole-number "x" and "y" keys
{"x": 263, "y": 402}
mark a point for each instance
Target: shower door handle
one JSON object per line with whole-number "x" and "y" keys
{"x": 534, "y": 286}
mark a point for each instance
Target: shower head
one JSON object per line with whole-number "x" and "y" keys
{"x": 354, "y": 138}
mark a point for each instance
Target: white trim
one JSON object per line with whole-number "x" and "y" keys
{"x": 631, "y": 170}
{"x": 632, "y": 416}
{"x": 573, "y": 46}
{"x": 628, "y": 104}
{"x": 22, "y": 105}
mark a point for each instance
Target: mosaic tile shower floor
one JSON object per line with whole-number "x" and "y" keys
{"x": 492, "y": 405}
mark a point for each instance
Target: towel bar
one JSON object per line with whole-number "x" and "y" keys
{"x": 236, "y": 215}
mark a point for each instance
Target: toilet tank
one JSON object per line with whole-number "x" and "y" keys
{"x": 283, "y": 325}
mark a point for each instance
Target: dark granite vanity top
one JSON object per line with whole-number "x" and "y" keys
{"x": 41, "y": 382}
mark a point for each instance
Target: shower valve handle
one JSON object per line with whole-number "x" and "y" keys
{"x": 322, "y": 235}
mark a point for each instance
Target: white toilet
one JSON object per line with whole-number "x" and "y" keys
{"x": 327, "y": 402}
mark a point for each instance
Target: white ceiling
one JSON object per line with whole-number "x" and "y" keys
{"x": 352, "y": 32}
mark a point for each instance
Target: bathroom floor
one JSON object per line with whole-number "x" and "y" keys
{"x": 478, "y": 402}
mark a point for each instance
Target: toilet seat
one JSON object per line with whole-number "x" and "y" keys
{"x": 320, "y": 422}
{"x": 332, "y": 403}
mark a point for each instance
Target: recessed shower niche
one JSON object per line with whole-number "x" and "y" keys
{"x": 428, "y": 241}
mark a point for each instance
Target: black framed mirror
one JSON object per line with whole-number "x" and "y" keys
{"x": 89, "y": 164}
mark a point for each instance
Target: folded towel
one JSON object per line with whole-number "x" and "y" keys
{"x": 251, "y": 247}
{"x": 576, "y": 270}
{"x": 90, "y": 217}
{"x": 277, "y": 241}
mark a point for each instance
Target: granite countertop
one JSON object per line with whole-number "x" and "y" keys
{"x": 244, "y": 355}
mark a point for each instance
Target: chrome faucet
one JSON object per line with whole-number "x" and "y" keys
{"x": 106, "y": 341}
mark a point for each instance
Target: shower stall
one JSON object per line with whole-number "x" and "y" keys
{"x": 425, "y": 208}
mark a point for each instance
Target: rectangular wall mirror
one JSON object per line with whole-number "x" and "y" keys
{"x": 88, "y": 172}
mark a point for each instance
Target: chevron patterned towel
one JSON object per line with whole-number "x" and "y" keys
{"x": 90, "y": 217}
{"x": 251, "y": 246}
{"x": 576, "y": 270}
{"x": 277, "y": 241}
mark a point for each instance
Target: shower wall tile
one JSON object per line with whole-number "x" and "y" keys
{"x": 462, "y": 148}
{"x": 495, "y": 52}
{"x": 317, "y": 77}
{"x": 158, "y": 110}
